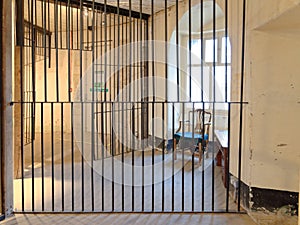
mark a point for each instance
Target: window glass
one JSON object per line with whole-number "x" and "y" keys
{"x": 209, "y": 49}
{"x": 223, "y": 57}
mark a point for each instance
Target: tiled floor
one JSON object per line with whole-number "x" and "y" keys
{"x": 132, "y": 219}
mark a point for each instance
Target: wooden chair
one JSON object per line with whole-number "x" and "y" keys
{"x": 198, "y": 136}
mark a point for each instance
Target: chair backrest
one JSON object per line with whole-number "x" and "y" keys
{"x": 203, "y": 121}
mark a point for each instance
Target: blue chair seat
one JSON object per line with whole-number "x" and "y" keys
{"x": 190, "y": 135}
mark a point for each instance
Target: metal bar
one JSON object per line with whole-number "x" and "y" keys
{"x": 33, "y": 42}
{"x": 173, "y": 157}
{"x": 163, "y": 160}
{"x": 102, "y": 157}
{"x": 112, "y": 159}
{"x": 52, "y": 156}
{"x": 214, "y": 109}
{"x": 89, "y": 102}
{"x": 166, "y": 50}
{"x": 142, "y": 88}
{"x": 93, "y": 109}
{"x": 177, "y": 50}
{"x": 42, "y": 156}
{"x": 190, "y": 51}
{"x": 123, "y": 120}
{"x": 69, "y": 50}
{"x": 109, "y": 8}
{"x": 45, "y": 53}
{"x": 241, "y": 105}
{"x": 72, "y": 154}
{"x": 182, "y": 165}
{"x": 72, "y": 27}
{"x": 228, "y": 158}
{"x": 62, "y": 158}
{"x": 226, "y": 50}
{"x": 193, "y": 160}
{"x": 82, "y": 107}
{"x": 129, "y": 213}
{"x": 22, "y": 115}
{"x": 56, "y": 50}
{"x": 133, "y": 115}
{"x": 153, "y": 99}
{"x": 60, "y": 24}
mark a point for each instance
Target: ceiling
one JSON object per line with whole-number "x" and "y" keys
{"x": 146, "y": 4}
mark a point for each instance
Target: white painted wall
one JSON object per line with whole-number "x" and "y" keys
{"x": 271, "y": 155}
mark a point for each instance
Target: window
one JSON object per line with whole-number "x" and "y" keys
{"x": 222, "y": 88}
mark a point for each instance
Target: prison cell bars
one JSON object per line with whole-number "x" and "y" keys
{"x": 110, "y": 103}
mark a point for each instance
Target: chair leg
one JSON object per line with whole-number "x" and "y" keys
{"x": 200, "y": 152}
{"x": 206, "y": 152}
{"x": 174, "y": 148}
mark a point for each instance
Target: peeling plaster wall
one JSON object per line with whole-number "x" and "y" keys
{"x": 271, "y": 155}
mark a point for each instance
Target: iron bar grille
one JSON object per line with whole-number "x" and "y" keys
{"x": 104, "y": 89}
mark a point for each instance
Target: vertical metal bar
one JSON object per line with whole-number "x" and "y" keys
{"x": 190, "y": 51}
{"x": 202, "y": 98}
{"x": 72, "y": 153}
{"x": 112, "y": 158}
{"x": 102, "y": 157}
{"x": 112, "y": 68}
{"x": 60, "y": 25}
{"x": 163, "y": 160}
{"x": 33, "y": 42}
{"x": 72, "y": 28}
{"x": 182, "y": 165}
{"x": 142, "y": 105}
{"x": 226, "y": 50}
{"x": 52, "y": 155}
{"x": 105, "y": 86}
{"x": 22, "y": 115}
{"x": 173, "y": 156}
{"x": 214, "y": 110}
{"x": 69, "y": 51}
{"x": 93, "y": 108}
{"x": 77, "y": 25}
{"x": 123, "y": 121}
{"x": 56, "y": 50}
{"x": 42, "y": 156}
{"x": 153, "y": 100}
{"x": 97, "y": 81}
{"x": 166, "y": 50}
{"x": 241, "y": 105}
{"x": 82, "y": 107}
{"x": 133, "y": 114}
{"x": 177, "y": 50}
{"x": 228, "y": 158}
{"x": 45, "y": 52}
{"x": 49, "y": 37}
{"x": 193, "y": 157}
{"x": 62, "y": 158}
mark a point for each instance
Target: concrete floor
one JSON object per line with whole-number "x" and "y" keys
{"x": 132, "y": 219}
{"x": 185, "y": 174}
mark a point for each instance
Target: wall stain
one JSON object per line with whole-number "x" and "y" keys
{"x": 281, "y": 145}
